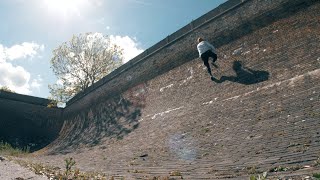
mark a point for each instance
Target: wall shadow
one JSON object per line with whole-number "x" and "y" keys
{"x": 25, "y": 125}
{"x": 244, "y": 75}
{"x": 111, "y": 119}
{"x": 21, "y": 132}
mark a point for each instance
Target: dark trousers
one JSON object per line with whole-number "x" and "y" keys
{"x": 205, "y": 58}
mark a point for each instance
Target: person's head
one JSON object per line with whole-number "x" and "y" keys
{"x": 200, "y": 39}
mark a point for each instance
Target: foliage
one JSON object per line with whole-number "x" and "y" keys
{"x": 175, "y": 173}
{"x": 279, "y": 169}
{"x": 317, "y": 162}
{"x": 69, "y": 164}
{"x": 7, "y": 149}
{"x": 81, "y": 62}
{"x": 56, "y": 173}
{"x": 263, "y": 176}
{"x": 6, "y": 89}
{"x": 316, "y": 175}
{"x": 52, "y": 103}
{"x": 252, "y": 170}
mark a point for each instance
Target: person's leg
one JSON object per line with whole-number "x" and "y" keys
{"x": 205, "y": 59}
{"x": 206, "y": 63}
{"x": 214, "y": 58}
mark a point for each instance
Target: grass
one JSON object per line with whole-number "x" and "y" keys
{"x": 70, "y": 172}
{"x": 175, "y": 173}
{"x": 316, "y": 175}
{"x": 262, "y": 176}
{"x": 317, "y": 162}
{"x": 70, "y": 162}
{"x": 279, "y": 169}
{"x": 252, "y": 170}
{"x": 7, "y": 149}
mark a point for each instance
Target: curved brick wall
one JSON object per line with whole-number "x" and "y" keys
{"x": 161, "y": 112}
{"x": 26, "y": 121}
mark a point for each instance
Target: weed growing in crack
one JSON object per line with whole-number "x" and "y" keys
{"x": 317, "y": 162}
{"x": 56, "y": 173}
{"x": 69, "y": 164}
{"x": 175, "y": 173}
{"x": 316, "y": 175}
{"x": 278, "y": 169}
{"x": 262, "y": 176}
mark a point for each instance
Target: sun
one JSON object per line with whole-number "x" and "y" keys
{"x": 65, "y": 8}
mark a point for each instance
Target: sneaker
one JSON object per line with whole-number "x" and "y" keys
{"x": 213, "y": 64}
{"x": 214, "y": 79}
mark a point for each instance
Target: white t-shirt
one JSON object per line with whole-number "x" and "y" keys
{"x": 204, "y": 46}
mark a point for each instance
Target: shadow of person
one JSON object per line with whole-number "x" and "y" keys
{"x": 244, "y": 75}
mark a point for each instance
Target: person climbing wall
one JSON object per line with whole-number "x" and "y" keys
{"x": 207, "y": 50}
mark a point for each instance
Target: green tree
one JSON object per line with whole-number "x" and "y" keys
{"x": 82, "y": 61}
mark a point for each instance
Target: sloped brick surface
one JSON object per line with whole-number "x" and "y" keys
{"x": 182, "y": 121}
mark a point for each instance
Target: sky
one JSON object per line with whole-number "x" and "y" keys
{"x": 31, "y": 29}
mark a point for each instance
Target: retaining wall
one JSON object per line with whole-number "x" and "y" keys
{"x": 27, "y": 121}
{"x": 161, "y": 112}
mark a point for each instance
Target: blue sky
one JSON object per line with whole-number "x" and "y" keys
{"x": 31, "y": 29}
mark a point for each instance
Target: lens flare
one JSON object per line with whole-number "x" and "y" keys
{"x": 65, "y": 8}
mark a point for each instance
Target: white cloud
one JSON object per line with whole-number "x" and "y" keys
{"x": 16, "y": 77}
{"x": 129, "y": 46}
{"x": 23, "y": 50}
{"x": 2, "y": 54}
{"x": 97, "y": 3}
{"x": 36, "y": 83}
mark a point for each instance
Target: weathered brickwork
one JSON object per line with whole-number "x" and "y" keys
{"x": 27, "y": 121}
{"x": 179, "y": 120}
{"x": 114, "y": 118}
{"x": 222, "y": 29}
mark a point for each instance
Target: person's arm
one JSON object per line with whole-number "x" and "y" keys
{"x": 211, "y": 47}
{"x": 198, "y": 50}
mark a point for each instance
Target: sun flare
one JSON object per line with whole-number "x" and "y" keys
{"x": 65, "y": 8}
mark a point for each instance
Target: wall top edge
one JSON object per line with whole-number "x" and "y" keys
{"x": 24, "y": 98}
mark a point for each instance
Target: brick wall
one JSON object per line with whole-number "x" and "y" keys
{"x": 167, "y": 107}
{"x": 27, "y": 121}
